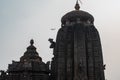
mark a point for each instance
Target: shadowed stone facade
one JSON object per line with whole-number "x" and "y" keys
{"x": 30, "y": 67}
{"x": 77, "y": 52}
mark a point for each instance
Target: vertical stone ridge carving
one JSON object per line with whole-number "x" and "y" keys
{"x": 78, "y": 54}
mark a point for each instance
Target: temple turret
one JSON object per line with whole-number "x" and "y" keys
{"x": 30, "y": 66}
{"x": 31, "y": 54}
{"x": 77, "y": 52}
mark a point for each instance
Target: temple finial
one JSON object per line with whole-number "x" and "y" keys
{"x": 77, "y": 7}
{"x": 31, "y": 41}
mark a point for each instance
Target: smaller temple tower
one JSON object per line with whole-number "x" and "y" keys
{"x": 30, "y": 67}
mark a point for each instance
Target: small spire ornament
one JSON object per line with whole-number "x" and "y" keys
{"x": 77, "y": 7}
{"x": 31, "y": 41}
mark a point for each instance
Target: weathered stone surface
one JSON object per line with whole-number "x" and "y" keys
{"x": 30, "y": 67}
{"x": 78, "y": 54}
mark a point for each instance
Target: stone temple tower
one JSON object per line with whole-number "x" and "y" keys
{"x": 30, "y": 67}
{"x": 77, "y": 51}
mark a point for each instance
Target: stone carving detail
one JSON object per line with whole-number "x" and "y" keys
{"x": 52, "y": 43}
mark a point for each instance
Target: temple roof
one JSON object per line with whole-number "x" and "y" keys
{"x": 31, "y": 53}
{"x": 30, "y": 61}
{"x": 77, "y": 14}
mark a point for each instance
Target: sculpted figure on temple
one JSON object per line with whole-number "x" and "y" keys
{"x": 52, "y": 43}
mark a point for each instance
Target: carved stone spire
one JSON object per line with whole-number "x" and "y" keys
{"x": 77, "y": 7}
{"x": 31, "y": 53}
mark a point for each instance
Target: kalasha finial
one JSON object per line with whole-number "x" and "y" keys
{"x": 31, "y": 41}
{"x": 77, "y": 7}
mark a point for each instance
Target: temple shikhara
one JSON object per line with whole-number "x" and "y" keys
{"x": 77, "y": 53}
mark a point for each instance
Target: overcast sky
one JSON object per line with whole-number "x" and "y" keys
{"x": 22, "y": 20}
